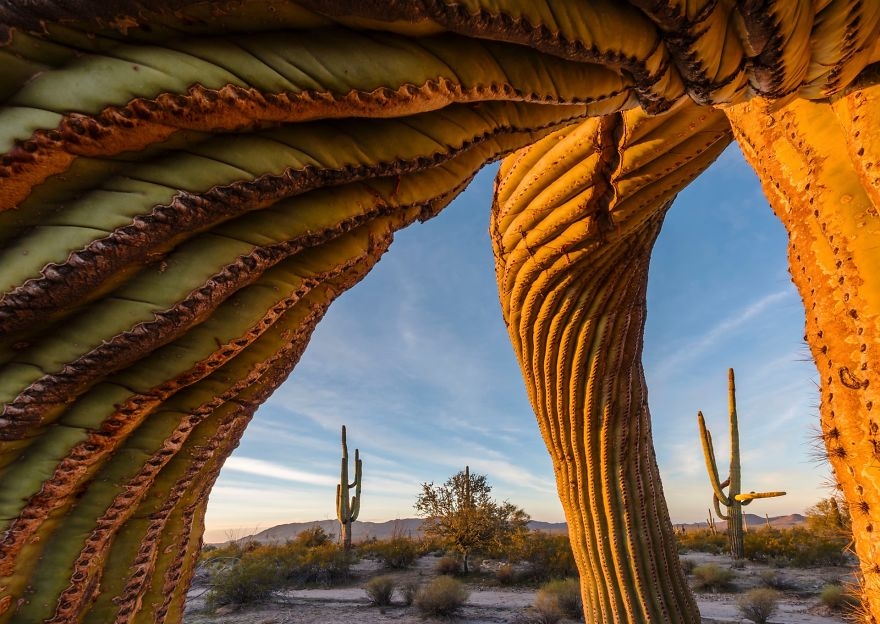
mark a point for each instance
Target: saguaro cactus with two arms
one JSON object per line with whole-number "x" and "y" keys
{"x": 347, "y": 509}
{"x": 734, "y": 500}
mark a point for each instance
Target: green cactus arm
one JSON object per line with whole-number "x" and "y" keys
{"x": 711, "y": 465}
{"x": 735, "y": 486}
{"x": 718, "y": 511}
{"x": 341, "y": 503}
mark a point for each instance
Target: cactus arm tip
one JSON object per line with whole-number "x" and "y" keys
{"x": 711, "y": 464}
{"x": 748, "y": 497}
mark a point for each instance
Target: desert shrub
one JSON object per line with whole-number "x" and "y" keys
{"x": 773, "y": 579}
{"x": 835, "y": 597}
{"x": 326, "y": 565}
{"x": 703, "y": 541}
{"x": 379, "y": 590}
{"x": 758, "y": 604}
{"x": 567, "y": 595}
{"x": 448, "y": 565}
{"x": 252, "y": 579}
{"x": 687, "y": 566}
{"x": 796, "y": 547}
{"x": 712, "y": 577}
{"x": 545, "y": 609}
{"x": 312, "y": 537}
{"x": 548, "y": 556}
{"x": 396, "y": 553}
{"x": 442, "y": 597}
{"x": 408, "y": 592}
{"x": 506, "y": 574}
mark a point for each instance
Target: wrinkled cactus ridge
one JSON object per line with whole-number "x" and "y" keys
{"x": 185, "y": 187}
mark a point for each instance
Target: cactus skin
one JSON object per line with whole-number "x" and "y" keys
{"x": 734, "y": 499}
{"x": 347, "y": 509}
{"x": 106, "y": 425}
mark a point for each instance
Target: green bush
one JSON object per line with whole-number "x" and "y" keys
{"x": 311, "y": 537}
{"x": 796, "y": 547}
{"x": 408, "y": 592}
{"x": 248, "y": 580}
{"x": 448, "y": 566}
{"x": 545, "y": 609}
{"x": 567, "y": 596}
{"x": 773, "y": 579}
{"x": 548, "y": 557}
{"x": 687, "y": 566}
{"x": 835, "y": 597}
{"x": 703, "y": 540}
{"x": 758, "y": 605}
{"x": 506, "y": 574}
{"x": 396, "y": 553}
{"x": 379, "y": 590}
{"x": 259, "y": 570}
{"x": 712, "y": 577}
{"x": 442, "y": 597}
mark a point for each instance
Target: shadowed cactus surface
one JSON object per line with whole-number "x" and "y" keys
{"x": 185, "y": 187}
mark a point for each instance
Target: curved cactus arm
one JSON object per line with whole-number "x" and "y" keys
{"x": 717, "y": 504}
{"x": 711, "y": 465}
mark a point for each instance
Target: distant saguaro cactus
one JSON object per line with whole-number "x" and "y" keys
{"x": 347, "y": 509}
{"x": 734, "y": 499}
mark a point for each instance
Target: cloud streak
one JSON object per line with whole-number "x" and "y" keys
{"x": 699, "y": 346}
{"x": 260, "y": 468}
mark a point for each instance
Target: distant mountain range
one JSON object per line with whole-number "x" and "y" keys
{"x": 411, "y": 527}
{"x": 751, "y": 520}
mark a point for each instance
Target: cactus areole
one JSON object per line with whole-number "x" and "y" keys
{"x": 186, "y": 187}
{"x": 734, "y": 500}
{"x": 347, "y": 509}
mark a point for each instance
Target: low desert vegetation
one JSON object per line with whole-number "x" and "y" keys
{"x": 757, "y": 605}
{"x": 449, "y": 566}
{"x": 796, "y": 547}
{"x": 442, "y": 597}
{"x": 837, "y": 598}
{"x": 567, "y": 596}
{"x": 380, "y": 590}
{"x": 712, "y": 577}
{"x": 251, "y": 572}
{"x": 396, "y": 553}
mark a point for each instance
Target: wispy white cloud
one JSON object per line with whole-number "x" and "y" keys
{"x": 262, "y": 468}
{"x": 698, "y": 346}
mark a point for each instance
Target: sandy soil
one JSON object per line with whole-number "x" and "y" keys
{"x": 495, "y": 605}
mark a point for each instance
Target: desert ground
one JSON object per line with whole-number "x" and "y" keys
{"x": 490, "y": 604}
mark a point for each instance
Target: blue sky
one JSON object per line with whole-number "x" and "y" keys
{"x": 415, "y": 360}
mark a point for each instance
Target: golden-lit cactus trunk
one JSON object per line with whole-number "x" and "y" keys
{"x": 818, "y": 163}
{"x": 573, "y": 225}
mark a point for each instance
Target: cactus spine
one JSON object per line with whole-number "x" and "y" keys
{"x": 347, "y": 509}
{"x": 734, "y": 499}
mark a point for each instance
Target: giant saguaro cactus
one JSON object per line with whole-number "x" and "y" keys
{"x": 734, "y": 499}
{"x": 348, "y": 508}
{"x": 817, "y": 166}
{"x": 185, "y": 187}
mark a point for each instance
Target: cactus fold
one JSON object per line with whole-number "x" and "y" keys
{"x": 185, "y": 187}
{"x": 733, "y": 500}
{"x": 348, "y": 508}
